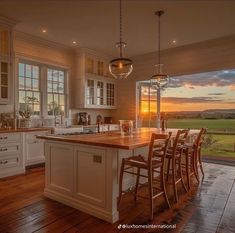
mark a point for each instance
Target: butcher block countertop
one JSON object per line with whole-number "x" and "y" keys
{"x": 24, "y": 130}
{"x": 140, "y": 138}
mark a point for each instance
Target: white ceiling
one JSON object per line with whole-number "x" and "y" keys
{"x": 95, "y": 23}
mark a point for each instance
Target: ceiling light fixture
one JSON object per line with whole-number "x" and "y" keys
{"x": 44, "y": 30}
{"x": 120, "y": 67}
{"x": 160, "y": 79}
{"x": 74, "y": 42}
{"x": 174, "y": 41}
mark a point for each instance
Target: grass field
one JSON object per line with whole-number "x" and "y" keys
{"x": 223, "y": 125}
{"x": 224, "y": 143}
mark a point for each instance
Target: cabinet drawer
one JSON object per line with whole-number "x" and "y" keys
{"x": 9, "y": 148}
{"x": 33, "y": 135}
{"x": 6, "y": 138}
{"x": 9, "y": 161}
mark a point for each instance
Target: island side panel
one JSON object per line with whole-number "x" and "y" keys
{"x": 84, "y": 177}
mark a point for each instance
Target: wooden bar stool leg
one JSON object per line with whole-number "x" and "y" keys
{"x": 181, "y": 175}
{"x": 174, "y": 181}
{"x": 150, "y": 184}
{"x": 164, "y": 187}
{"x": 194, "y": 165}
{"x": 187, "y": 167}
{"x": 168, "y": 169}
{"x": 120, "y": 181}
{"x": 137, "y": 182}
{"x": 200, "y": 162}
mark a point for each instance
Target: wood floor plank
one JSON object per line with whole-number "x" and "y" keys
{"x": 24, "y": 209}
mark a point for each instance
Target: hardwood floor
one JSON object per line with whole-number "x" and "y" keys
{"x": 209, "y": 207}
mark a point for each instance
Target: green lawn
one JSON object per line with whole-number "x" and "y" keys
{"x": 224, "y": 125}
{"x": 223, "y": 145}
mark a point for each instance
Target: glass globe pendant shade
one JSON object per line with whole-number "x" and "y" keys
{"x": 159, "y": 79}
{"x": 120, "y": 68}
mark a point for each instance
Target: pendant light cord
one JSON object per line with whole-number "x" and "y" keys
{"x": 159, "y": 38}
{"x": 121, "y": 43}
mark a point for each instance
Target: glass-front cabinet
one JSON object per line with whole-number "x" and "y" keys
{"x": 100, "y": 94}
{"x": 4, "y": 65}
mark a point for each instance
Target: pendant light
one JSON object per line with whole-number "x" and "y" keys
{"x": 160, "y": 79}
{"x": 120, "y": 67}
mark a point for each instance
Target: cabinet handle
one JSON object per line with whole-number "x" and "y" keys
{"x": 97, "y": 158}
{"x": 3, "y": 149}
{"x": 4, "y": 162}
{"x": 3, "y": 138}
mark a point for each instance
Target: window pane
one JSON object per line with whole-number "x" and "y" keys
{"x": 35, "y": 72}
{"x": 21, "y": 83}
{"x": 49, "y": 74}
{"x": 36, "y": 97}
{"x": 28, "y": 83}
{"x": 61, "y": 99}
{"x": 61, "y": 76}
{"x": 49, "y": 86}
{"x": 61, "y": 88}
{"x": 35, "y": 86}
{"x": 21, "y": 69}
{"x": 28, "y": 71}
{"x": 55, "y": 87}
{"x": 21, "y": 97}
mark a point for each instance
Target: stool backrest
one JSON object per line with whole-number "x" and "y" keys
{"x": 199, "y": 140}
{"x": 158, "y": 146}
{"x": 179, "y": 141}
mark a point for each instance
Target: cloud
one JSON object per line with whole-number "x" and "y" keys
{"x": 193, "y": 100}
{"x": 216, "y": 93}
{"x": 216, "y": 78}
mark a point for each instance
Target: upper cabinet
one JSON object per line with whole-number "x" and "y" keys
{"x": 6, "y": 70}
{"x": 93, "y": 86}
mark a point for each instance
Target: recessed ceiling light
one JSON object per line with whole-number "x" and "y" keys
{"x": 44, "y": 30}
{"x": 226, "y": 71}
{"x": 74, "y": 42}
{"x": 174, "y": 41}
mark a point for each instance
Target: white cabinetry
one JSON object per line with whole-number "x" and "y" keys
{"x": 11, "y": 156}
{"x": 34, "y": 148}
{"x": 93, "y": 87}
{"x": 6, "y": 79}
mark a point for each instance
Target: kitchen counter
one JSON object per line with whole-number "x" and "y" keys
{"x": 139, "y": 138}
{"x": 82, "y": 171}
{"x": 24, "y": 130}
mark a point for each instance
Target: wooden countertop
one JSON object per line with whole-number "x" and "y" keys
{"x": 141, "y": 137}
{"x": 24, "y": 130}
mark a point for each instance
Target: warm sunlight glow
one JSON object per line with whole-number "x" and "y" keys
{"x": 120, "y": 65}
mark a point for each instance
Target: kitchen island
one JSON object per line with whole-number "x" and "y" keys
{"x": 82, "y": 171}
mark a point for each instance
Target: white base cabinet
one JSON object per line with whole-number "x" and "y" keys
{"x": 11, "y": 156}
{"x": 34, "y": 148}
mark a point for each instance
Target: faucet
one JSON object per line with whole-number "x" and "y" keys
{"x": 56, "y": 120}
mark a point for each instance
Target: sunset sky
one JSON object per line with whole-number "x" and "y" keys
{"x": 212, "y": 90}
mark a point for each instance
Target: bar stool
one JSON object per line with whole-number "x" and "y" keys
{"x": 154, "y": 164}
{"x": 192, "y": 153}
{"x": 174, "y": 155}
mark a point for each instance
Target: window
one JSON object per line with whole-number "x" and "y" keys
{"x": 42, "y": 90}
{"x": 100, "y": 93}
{"x": 29, "y": 91}
{"x": 55, "y": 92}
{"x": 110, "y": 94}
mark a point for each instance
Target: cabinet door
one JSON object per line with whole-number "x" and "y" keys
{"x": 90, "y": 173}
{"x": 4, "y": 85}
{"x": 34, "y": 152}
{"x": 59, "y": 168}
{"x": 4, "y": 65}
